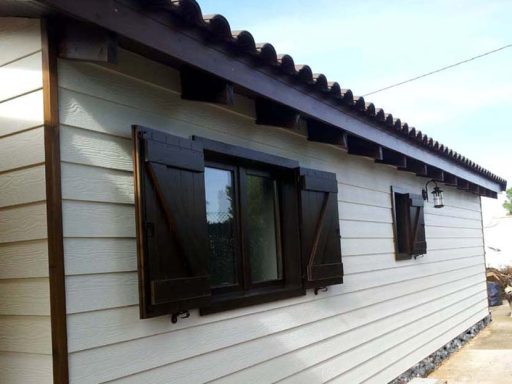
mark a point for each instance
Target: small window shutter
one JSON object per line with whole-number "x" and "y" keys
{"x": 172, "y": 228}
{"x": 417, "y": 225}
{"x": 320, "y": 231}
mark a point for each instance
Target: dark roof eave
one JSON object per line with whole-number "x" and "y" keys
{"x": 258, "y": 68}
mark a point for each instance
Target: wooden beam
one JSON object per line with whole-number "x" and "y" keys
{"x": 415, "y": 166}
{"x": 198, "y": 85}
{"x": 463, "y": 184}
{"x": 325, "y": 133}
{"x": 54, "y": 203}
{"x": 87, "y": 42}
{"x": 269, "y": 112}
{"x": 435, "y": 173}
{"x": 390, "y": 157}
{"x": 362, "y": 147}
{"x": 450, "y": 179}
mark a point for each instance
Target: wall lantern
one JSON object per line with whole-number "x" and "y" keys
{"x": 437, "y": 194}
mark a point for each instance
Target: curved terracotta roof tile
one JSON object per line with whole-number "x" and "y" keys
{"x": 370, "y": 110}
{"x": 359, "y": 103}
{"x": 217, "y": 29}
{"x": 267, "y": 54}
{"x": 244, "y": 42}
{"x": 334, "y": 90}
{"x": 347, "y": 96}
{"x": 321, "y": 83}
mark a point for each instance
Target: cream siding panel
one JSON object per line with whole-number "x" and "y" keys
{"x": 21, "y": 113}
{"x": 25, "y": 336}
{"x": 98, "y": 328}
{"x": 96, "y": 184}
{"x": 26, "y": 368}
{"x": 22, "y": 150}
{"x": 93, "y": 292}
{"x": 23, "y": 186}
{"x": 100, "y": 291}
{"x": 382, "y": 301}
{"x": 368, "y": 263}
{"x": 21, "y": 76}
{"x": 251, "y": 352}
{"x": 21, "y": 223}
{"x": 86, "y": 219}
{"x": 18, "y": 38}
{"x": 24, "y": 259}
{"x": 29, "y": 297}
{"x": 424, "y": 328}
{"x": 86, "y": 147}
{"x": 97, "y": 255}
{"x": 410, "y": 358}
{"x": 273, "y": 357}
{"x": 29, "y": 334}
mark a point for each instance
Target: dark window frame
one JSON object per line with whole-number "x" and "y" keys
{"x": 283, "y": 172}
{"x": 402, "y": 225}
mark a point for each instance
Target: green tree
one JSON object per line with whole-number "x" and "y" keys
{"x": 508, "y": 203}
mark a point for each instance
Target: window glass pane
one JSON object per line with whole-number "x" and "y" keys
{"x": 221, "y": 226}
{"x": 262, "y": 226}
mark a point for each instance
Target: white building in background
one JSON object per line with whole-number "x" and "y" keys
{"x": 498, "y": 242}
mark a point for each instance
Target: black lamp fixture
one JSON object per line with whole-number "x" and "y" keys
{"x": 437, "y": 194}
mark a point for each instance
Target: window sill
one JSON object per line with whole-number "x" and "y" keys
{"x": 236, "y": 300}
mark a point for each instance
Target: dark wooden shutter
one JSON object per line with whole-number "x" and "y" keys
{"x": 171, "y": 216}
{"x": 402, "y": 225}
{"x": 417, "y": 242}
{"x": 320, "y": 231}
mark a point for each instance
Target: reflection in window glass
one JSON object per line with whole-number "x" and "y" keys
{"x": 221, "y": 226}
{"x": 261, "y": 228}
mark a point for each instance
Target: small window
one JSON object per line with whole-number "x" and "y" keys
{"x": 244, "y": 230}
{"x": 409, "y": 224}
{"x": 221, "y": 227}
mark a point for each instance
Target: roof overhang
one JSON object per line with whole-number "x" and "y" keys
{"x": 153, "y": 31}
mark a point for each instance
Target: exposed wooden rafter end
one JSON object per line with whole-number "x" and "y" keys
{"x": 463, "y": 184}
{"x": 450, "y": 179}
{"x": 269, "y": 112}
{"x": 87, "y": 42}
{"x": 415, "y": 166}
{"x": 325, "y": 133}
{"x": 362, "y": 147}
{"x": 197, "y": 85}
{"x": 435, "y": 173}
{"x": 394, "y": 158}
{"x": 475, "y": 189}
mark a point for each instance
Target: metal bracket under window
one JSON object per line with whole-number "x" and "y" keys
{"x": 179, "y": 315}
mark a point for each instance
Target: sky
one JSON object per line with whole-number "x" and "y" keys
{"x": 367, "y": 45}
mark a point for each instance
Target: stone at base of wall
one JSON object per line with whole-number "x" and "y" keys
{"x": 426, "y": 381}
{"x": 431, "y": 362}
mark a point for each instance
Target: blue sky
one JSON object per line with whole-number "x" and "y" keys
{"x": 366, "y": 45}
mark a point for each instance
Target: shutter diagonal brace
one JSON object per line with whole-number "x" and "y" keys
{"x": 414, "y": 228}
{"x": 316, "y": 241}
{"x": 171, "y": 222}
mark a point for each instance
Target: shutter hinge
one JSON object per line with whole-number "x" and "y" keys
{"x": 150, "y": 229}
{"x": 179, "y": 315}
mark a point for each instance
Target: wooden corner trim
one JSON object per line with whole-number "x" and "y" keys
{"x": 54, "y": 204}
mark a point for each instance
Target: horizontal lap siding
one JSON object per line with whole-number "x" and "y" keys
{"x": 383, "y": 308}
{"x": 25, "y": 326}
